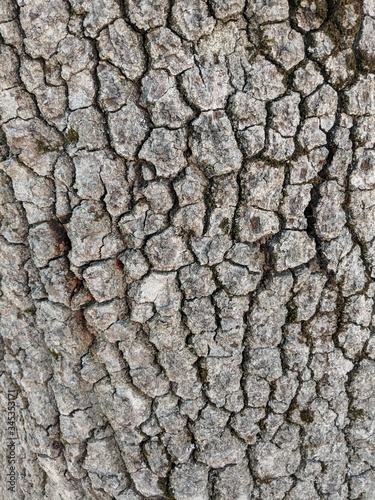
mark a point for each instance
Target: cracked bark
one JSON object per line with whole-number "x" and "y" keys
{"x": 188, "y": 248}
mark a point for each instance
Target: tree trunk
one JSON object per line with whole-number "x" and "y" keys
{"x": 187, "y": 249}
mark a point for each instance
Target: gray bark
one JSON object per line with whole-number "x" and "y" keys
{"x": 187, "y": 249}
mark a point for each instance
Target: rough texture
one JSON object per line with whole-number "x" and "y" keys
{"x": 187, "y": 249}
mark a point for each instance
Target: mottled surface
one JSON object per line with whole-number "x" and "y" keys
{"x": 187, "y": 248}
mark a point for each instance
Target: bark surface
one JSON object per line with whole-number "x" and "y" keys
{"x": 187, "y": 225}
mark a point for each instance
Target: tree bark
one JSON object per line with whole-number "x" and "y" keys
{"x": 187, "y": 249}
